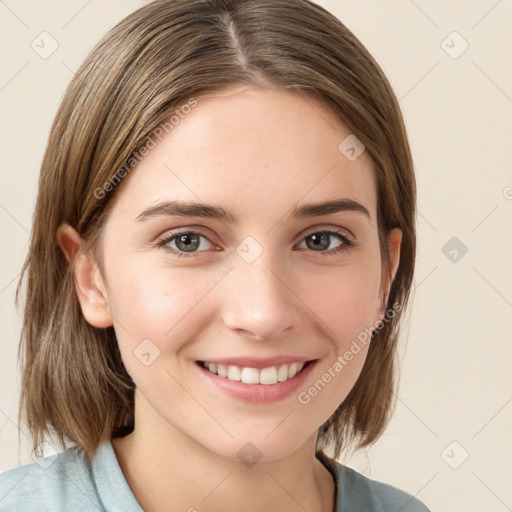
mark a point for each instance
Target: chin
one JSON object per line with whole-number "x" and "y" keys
{"x": 260, "y": 448}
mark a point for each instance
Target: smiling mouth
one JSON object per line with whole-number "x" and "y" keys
{"x": 248, "y": 375}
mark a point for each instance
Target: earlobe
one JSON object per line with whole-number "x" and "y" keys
{"x": 89, "y": 284}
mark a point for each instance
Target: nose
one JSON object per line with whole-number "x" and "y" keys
{"x": 260, "y": 302}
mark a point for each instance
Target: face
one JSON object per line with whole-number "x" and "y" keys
{"x": 261, "y": 287}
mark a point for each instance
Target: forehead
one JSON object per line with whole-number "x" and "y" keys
{"x": 256, "y": 152}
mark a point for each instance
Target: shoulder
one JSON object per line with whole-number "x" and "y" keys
{"x": 379, "y": 496}
{"x": 51, "y": 483}
{"x": 358, "y": 493}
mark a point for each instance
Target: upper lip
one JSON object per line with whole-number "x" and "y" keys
{"x": 253, "y": 362}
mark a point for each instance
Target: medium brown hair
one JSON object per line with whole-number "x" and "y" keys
{"x": 74, "y": 383}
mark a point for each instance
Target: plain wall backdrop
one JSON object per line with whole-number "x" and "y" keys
{"x": 450, "y": 65}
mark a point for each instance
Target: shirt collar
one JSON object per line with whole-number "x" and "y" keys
{"x": 113, "y": 489}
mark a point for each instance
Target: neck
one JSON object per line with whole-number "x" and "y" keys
{"x": 166, "y": 466}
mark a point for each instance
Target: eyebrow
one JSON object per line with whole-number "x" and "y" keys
{"x": 185, "y": 209}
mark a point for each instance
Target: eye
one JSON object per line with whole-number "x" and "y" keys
{"x": 320, "y": 241}
{"x": 184, "y": 242}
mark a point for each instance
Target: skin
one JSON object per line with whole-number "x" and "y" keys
{"x": 259, "y": 154}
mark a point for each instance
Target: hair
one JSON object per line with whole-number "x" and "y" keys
{"x": 74, "y": 384}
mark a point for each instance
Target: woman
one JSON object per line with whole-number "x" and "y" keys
{"x": 223, "y": 245}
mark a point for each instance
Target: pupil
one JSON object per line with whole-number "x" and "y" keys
{"x": 190, "y": 242}
{"x": 319, "y": 241}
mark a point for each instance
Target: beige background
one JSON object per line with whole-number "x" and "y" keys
{"x": 456, "y": 381}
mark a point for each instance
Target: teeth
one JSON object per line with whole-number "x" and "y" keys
{"x": 282, "y": 373}
{"x": 266, "y": 376}
{"x": 250, "y": 376}
{"x": 234, "y": 372}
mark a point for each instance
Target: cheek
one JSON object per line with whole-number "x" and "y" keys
{"x": 347, "y": 305}
{"x": 346, "y": 300}
{"x": 157, "y": 303}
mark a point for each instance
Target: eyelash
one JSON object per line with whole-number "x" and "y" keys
{"x": 345, "y": 246}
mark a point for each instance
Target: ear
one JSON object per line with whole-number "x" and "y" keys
{"x": 89, "y": 282}
{"x": 394, "y": 244}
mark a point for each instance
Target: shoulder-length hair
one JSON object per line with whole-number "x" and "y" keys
{"x": 74, "y": 383}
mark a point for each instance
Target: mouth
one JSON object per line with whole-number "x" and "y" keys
{"x": 249, "y": 375}
{"x": 261, "y": 381}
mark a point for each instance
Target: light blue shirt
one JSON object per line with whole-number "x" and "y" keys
{"x": 69, "y": 482}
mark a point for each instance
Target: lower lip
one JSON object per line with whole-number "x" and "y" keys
{"x": 258, "y": 393}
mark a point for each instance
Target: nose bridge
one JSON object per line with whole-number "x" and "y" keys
{"x": 257, "y": 298}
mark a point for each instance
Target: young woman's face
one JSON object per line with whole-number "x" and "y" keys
{"x": 259, "y": 287}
